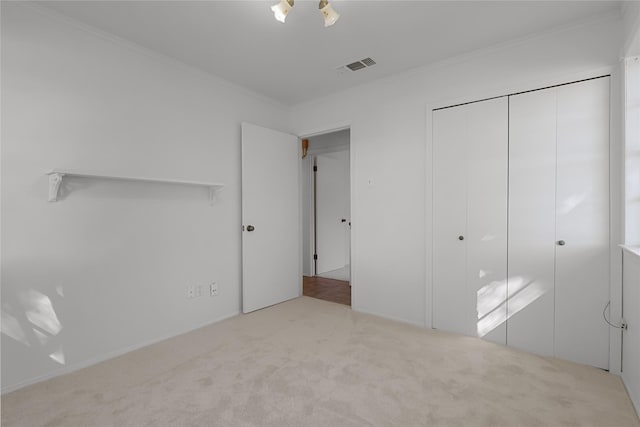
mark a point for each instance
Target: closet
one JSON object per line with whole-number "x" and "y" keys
{"x": 521, "y": 220}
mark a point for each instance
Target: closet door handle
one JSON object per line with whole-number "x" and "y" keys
{"x": 460, "y": 237}
{"x": 561, "y": 243}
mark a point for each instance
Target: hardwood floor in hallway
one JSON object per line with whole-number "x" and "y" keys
{"x": 327, "y": 289}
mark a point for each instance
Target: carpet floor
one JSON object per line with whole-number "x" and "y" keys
{"x": 308, "y": 362}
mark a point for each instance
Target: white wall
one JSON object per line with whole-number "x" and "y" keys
{"x": 631, "y": 108}
{"x": 391, "y": 163}
{"x": 631, "y": 350}
{"x": 631, "y": 28}
{"x": 106, "y": 268}
{"x": 632, "y": 151}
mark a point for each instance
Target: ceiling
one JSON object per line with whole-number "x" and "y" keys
{"x": 241, "y": 42}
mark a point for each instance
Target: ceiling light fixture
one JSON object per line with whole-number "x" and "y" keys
{"x": 330, "y": 15}
{"x": 282, "y": 9}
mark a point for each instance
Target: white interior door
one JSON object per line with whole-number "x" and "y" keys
{"x": 532, "y": 189}
{"x": 332, "y": 210}
{"x": 452, "y": 307}
{"x": 270, "y": 218}
{"x": 470, "y": 219}
{"x": 487, "y": 148}
{"x": 582, "y": 223}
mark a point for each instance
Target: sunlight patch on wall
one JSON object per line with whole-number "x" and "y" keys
{"x": 43, "y": 323}
{"x": 491, "y": 306}
{"x": 526, "y": 296}
{"x": 40, "y": 312}
{"x": 573, "y": 201}
{"x": 497, "y": 302}
{"x": 58, "y": 356}
{"x": 490, "y": 297}
{"x": 42, "y": 338}
{"x": 11, "y": 328}
{"x": 483, "y": 273}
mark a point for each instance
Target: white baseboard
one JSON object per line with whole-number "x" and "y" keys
{"x": 98, "y": 359}
{"x": 395, "y": 319}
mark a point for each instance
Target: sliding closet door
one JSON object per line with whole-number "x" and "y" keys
{"x": 532, "y": 189}
{"x": 452, "y": 306}
{"x": 582, "y": 223}
{"x": 470, "y": 205}
{"x": 487, "y": 151}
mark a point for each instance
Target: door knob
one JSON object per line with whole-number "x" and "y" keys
{"x": 460, "y": 237}
{"x": 561, "y": 243}
{"x": 250, "y": 228}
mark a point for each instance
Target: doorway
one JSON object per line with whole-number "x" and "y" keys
{"x": 327, "y": 217}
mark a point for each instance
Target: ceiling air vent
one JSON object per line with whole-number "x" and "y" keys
{"x": 355, "y": 66}
{"x": 368, "y": 62}
{"x": 359, "y": 65}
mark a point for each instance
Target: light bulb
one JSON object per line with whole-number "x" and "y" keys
{"x": 330, "y": 15}
{"x": 281, "y": 10}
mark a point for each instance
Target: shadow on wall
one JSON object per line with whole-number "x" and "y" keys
{"x": 29, "y": 318}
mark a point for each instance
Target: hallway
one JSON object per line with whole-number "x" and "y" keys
{"x": 327, "y": 289}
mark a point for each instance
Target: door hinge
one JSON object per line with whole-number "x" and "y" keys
{"x": 315, "y": 256}
{"x": 315, "y": 169}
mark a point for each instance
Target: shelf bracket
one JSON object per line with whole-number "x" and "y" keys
{"x": 213, "y": 194}
{"x": 55, "y": 179}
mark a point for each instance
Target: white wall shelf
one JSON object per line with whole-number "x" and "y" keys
{"x": 56, "y": 176}
{"x": 634, "y": 250}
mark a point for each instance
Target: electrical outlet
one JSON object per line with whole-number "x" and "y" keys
{"x": 191, "y": 293}
{"x": 213, "y": 289}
